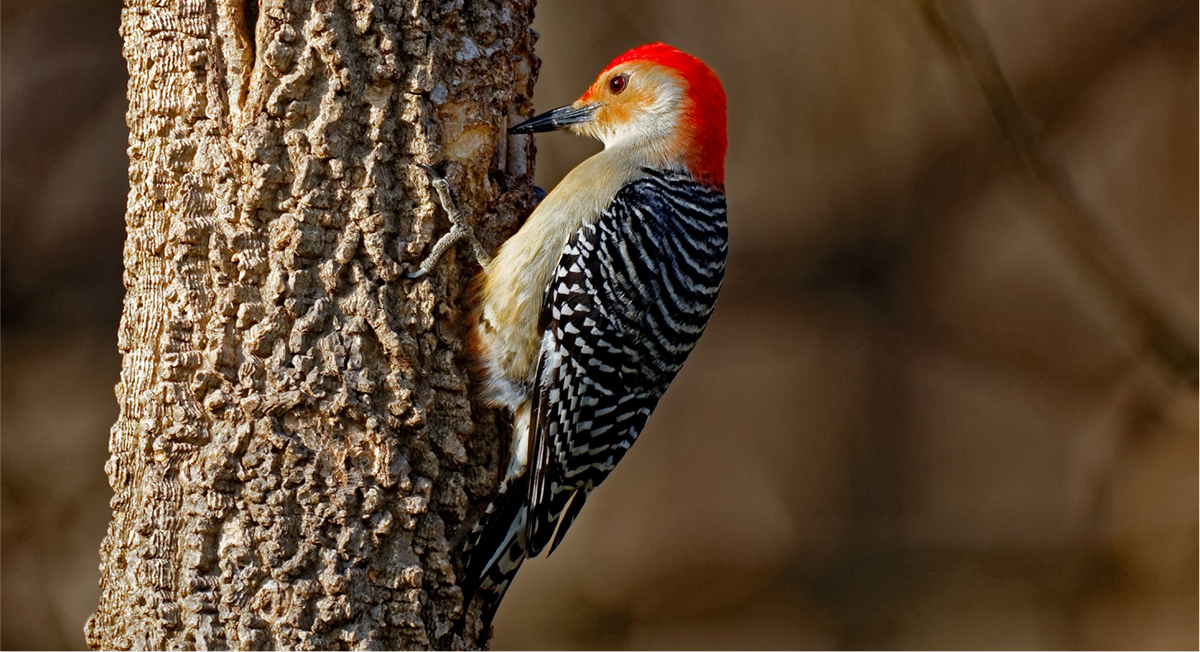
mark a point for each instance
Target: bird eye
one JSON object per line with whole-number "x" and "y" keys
{"x": 617, "y": 84}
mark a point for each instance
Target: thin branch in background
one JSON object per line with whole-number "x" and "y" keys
{"x": 957, "y": 28}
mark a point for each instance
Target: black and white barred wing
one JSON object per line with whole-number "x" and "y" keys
{"x": 630, "y": 298}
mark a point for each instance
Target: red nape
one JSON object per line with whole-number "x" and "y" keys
{"x": 706, "y": 111}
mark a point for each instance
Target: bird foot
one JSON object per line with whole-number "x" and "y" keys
{"x": 459, "y": 228}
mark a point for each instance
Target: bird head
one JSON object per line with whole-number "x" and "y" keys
{"x": 656, "y": 102}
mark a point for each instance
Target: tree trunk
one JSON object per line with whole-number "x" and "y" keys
{"x": 298, "y": 455}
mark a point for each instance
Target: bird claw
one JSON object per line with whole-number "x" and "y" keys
{"x": 459, "y": 229}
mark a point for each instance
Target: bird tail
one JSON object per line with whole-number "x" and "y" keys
{"x": 496, "y": 549}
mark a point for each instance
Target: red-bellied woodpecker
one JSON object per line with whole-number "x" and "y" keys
{"x": 587, "y": 313}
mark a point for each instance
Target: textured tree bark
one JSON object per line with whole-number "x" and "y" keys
{"x": 298, "y": 454}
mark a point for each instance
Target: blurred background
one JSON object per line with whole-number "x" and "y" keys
{"x": 920, "y": 418}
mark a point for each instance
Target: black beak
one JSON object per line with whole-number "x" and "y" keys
{"x": 554, "y": 120}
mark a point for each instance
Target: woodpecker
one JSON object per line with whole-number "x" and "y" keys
{"x": 587, "y": 313}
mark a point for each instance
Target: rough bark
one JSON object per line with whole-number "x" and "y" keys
{"x": 298, "y": 455}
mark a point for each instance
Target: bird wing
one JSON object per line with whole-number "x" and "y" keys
{"x": 629, "y": 298}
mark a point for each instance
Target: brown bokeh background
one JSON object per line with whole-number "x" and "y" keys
{"x": 918, "y": 419}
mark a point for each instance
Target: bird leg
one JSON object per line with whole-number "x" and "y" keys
{"x": 459, "y": 228}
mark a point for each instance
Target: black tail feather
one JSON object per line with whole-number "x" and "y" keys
{"x": 496, "y": 549}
